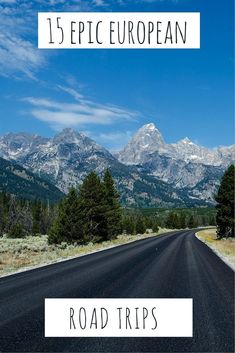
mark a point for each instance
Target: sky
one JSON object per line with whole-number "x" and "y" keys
{"x": 109, "y": 94}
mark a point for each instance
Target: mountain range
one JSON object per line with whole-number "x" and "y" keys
{"x": 22, "y": 183}
{"x": 148, "y": 172}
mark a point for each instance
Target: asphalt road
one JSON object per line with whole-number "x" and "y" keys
{"x": 176, "y": 265}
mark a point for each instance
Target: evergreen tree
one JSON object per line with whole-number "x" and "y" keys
{"x": 149, "y": 222}
{"x": 172, "y": 221}
{"x": 128, "y": 225}
{"x": 93, "y": 208}
{"x": 113, "y": 207}
{"x": 212, "y": 220}
{"x": 191, "y": 222}
{"x": 16, "y": 231}
{"x": 140, "y": 226}
{"x": 67, "y": 226}
{"x": 36, "y": 212}
{"x": 155, "y": 227}
{"x": 225, "y": 205}
{"x": 182, "y": 220}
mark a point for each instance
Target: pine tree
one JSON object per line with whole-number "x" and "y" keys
{"x": 140, "y": 226}
{"x": 128, "y": 225}
{"x": 192, "y": 222}
{"x": 182, "y": 220}
{"x": 93, "y": 208}
{"x": 155, "y": 227}
{"x": 36, "y": 213}
{"x": 172, "y": 221}
{"x": 67, "y": 226}
{"x": 225, "y": 205}
{"x": 16, "y": 231}
{"x": 212, "y": 220}
{"x": 113, "y": 207}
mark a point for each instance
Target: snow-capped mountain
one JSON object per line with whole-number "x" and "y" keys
{"x": 184, "y": 164}
{"x": 68, "y": 157}
{"x": 149, "y": 140}
{"x": 147, "y": 171}
{"x": 63, "y": 159}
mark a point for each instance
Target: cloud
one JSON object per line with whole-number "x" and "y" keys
{"x": 80, "y": 114}
{"x": 18, "y": 55}
{"x": 99, "y": 3}
{"x": 8, "y": 1}
{"x": 71, "y": 91}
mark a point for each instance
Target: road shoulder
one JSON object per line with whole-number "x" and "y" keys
{"x": 224, "y": 248}
{"x": 20, "y": 255}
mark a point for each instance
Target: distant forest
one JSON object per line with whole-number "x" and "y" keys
{"x": 94, "y": 213}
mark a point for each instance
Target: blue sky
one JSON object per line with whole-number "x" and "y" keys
{"x": 109, "y": 94}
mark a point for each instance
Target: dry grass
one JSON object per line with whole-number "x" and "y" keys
{"x": 18, "y": 254}
{"x": 225, "y": 248}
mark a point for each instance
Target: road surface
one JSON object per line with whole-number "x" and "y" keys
{"x": 176, "y": 265}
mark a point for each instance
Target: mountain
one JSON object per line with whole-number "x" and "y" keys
{"x": 148, "y": 140}
{"x": 20, "y": 182}
{"x": 69, "y": 156}
{"x": 148, "y": 172}
{"x": 184, "y": 165}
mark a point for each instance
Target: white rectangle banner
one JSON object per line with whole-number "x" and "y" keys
{"x": 118, "y": 317}
{"x": 119, "y": 30}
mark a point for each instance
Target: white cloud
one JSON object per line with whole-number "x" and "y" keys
{"x": 18, "y": 55}
{"x": 80, "y": 114}
{"x": 78, "y": 96}
{"x": 99, "y": 3}
{"x": 18, "y": 21}
{"x": 8, "y": 1}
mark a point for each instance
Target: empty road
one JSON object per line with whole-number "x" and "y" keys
{"x": 176, "y": 265}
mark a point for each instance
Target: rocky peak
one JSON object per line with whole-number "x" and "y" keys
{"x": 149, "y": 133}
{"x": 186, "y": 140}
{"x": 147, "y": 139}
{"x": 68, "y": 135}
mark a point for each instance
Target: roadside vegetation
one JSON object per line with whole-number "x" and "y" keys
{"x": 224, "y": 247}
{"x": 17, "y": 254}
{"x": 222, "y": 239}
{"x": 92, "y": 218}
{"x": 225, "y": 205}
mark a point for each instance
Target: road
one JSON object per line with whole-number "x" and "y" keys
{"x": 176, "y": 265}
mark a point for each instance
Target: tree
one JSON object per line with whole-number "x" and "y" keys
{"x": 93, "y": 208}
{"x": 16, "y": 231}
{"x": 155, "y": 227}
{"x": 182, "y": 220}
{"x": 172, "y": 221}
{"x": 212, "y": 220}
{"x": 36, "y": 213}
{"x": 191, "y": 222}
{"x": 113, "y": 207}
{"x": 128, "y": 225}
{"x": 140, "y": 226}
{"x": 225, "y": 205}
{"x": 67, "y": 226}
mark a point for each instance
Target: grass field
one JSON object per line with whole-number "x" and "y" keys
{"x": 225, "y": 248}
{"x": 18, "y": 254}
